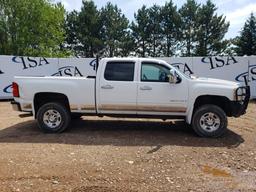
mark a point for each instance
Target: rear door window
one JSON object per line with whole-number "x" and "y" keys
{"x": 119, "y": 71}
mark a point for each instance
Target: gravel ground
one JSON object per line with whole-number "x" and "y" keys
{"x": 116, "y": 155}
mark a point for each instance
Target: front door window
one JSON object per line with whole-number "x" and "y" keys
{"x": 152, "y": 72}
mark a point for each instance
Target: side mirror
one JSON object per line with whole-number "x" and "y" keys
{"x": 173, "y": 79}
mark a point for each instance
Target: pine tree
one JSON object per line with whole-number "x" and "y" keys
{"x": 141, "y": 31}
{"x": 114, "y": 29}
{"x": 246, "y": 42}
{"x": 127, "y": 46}
{"x": 83, "y": 30}
{"x": 170, "y": 23}
{"x": 71, "y": 28}
{"x": 89, "y": 29}
{"x": 189, "y": 27}
{"x": 156, "y": 37}
{"x": 212, "y": 29}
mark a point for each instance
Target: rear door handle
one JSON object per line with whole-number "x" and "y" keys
{"x": 107, "y": 87}
{"x": 145, "y": 88}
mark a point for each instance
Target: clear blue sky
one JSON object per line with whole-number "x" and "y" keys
{"x": 236, "y": 11}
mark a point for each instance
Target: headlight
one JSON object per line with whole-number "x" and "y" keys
{"x": 240, "y": 93}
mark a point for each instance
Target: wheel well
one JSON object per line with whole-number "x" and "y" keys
{"x": 220, "y": 101}
{"x": 43, "y": 98}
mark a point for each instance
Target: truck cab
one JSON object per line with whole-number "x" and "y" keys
{"x": 140, "y": 87}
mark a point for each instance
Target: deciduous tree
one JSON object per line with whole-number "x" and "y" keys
{"x": 31, "y": 27}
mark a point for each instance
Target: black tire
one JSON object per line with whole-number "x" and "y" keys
{"x": 204, "y": 129}
{"x": 63, "y": 117}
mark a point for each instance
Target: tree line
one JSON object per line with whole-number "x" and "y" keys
{"x": 41, "y": 28}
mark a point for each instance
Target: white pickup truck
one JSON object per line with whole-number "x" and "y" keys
{"x": 132, "y": 87}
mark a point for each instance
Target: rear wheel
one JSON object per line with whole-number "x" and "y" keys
{"x": 53, "y": 118}
{"x": 209, "y": 121}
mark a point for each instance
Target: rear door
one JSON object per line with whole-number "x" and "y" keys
{"x": 117, "y": 88}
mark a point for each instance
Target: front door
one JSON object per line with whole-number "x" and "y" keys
{"x": 156, "y": 96}
{"x": 118, "y": 88}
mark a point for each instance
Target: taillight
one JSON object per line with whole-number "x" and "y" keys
{"x": 15, "y": 90}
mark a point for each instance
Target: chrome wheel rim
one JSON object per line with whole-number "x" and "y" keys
{"x": 52, "y": 118}
{"x": 210, "y": 122}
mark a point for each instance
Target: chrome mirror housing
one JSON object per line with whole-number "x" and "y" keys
{"x": 172, "y": 77}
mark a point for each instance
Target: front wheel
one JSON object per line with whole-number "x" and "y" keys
{"x": 209, "y": 121}
{"x": 53, "y": 118}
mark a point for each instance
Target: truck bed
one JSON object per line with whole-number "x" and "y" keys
{"x": 79, "y": 90}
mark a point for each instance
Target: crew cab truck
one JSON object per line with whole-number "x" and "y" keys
{"x": 132, "y": 87}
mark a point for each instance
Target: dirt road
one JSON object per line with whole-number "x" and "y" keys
{"x": 106, "y": 154}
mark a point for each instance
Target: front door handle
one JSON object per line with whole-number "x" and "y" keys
{"x": 145, "y": 88}
{"x": 107, "y": 87}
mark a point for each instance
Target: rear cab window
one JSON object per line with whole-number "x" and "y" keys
{"x": 119, "y": 71}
